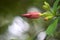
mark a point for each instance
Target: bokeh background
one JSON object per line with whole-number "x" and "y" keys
{"x": 11, "y": 8}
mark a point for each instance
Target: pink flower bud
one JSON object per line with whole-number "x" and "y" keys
{"x": 26, "y": 15}
{"x": 32, "y": 15}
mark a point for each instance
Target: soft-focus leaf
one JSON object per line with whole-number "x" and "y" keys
{"x": 51, "y": 28}
{"x": 55, "y": 6}
{"x": 58, "y": 7}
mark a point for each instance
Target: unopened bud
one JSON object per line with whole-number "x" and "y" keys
{"x": 48, "y": 18}
{"x": 32, "y": 15}
{"x": 46, "y": 6}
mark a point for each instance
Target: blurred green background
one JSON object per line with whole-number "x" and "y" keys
{"x": 11, "y": 8}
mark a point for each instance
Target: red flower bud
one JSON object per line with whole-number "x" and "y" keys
{"x": 26, "y": 15}
{"x": 32, "y": 15}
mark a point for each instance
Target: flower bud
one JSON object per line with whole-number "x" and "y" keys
{"x": 46, "y": 6}
{"x": 32, "y": 15}
{"x": 48, "y": 18}
{"x": 26, "y": 15}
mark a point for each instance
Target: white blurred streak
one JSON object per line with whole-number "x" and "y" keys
{"x": 33, "y": 9}
{"x": 18, "y": 28}
{"x": 41, "y": 36}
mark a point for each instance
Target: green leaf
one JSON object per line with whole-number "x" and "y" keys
{"x": 55, "y": 6}
{"x": 51, "y": 28}
{"x": 58, "y": 7}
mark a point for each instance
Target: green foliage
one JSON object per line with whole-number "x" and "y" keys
{"x": 55, "y": 6}
{"x": 53, "y": 13}
{"x": 52, "y": 27}
{"x": 58, "y": 7}
{"x": 46, "y": 6}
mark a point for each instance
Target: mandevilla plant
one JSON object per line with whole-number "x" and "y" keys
{"x": 53, "y": 14}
